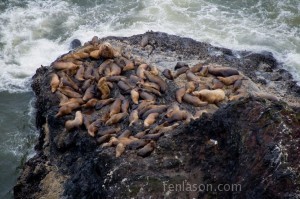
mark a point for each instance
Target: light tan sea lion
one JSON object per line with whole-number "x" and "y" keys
{"x": 229, "y": 80}
{"x": 77, "y": 122}
{"x": 79, "y": 55}
{"x": 54, "y": 82}
{"x": 116, "y": 118}
{"x": 168, "y": 74}
{"x": 129, "y": 65}
{"x": 103, "y": 88}
{"x": 69, "y": 92}
{"x": 87, "y": 49}
{"x": 115, "y": 107}
{"x": 113, "y": 141}
{"x": 144, "y": 104}
{"x": 135, "y": 96}
{"x": 190, "y": 87}
{"x": 222, "y": 71}
{"x": 147, "y": 96}
{"x": 120, "y": 149}
{"x": 71, "y": 100}
{"x": 104, "y": 65}
{"x": 149, "y": 84}
{"x": 107, "y": 51}
{"x": 267, "y": 96}
{"x": 172, "y": 109}
{"x": 140, "y": 71}
{"x": 177, "y": 116}
{"x": 150, "y": 119}
{"x": 158, "y": 80}
{"x": 179, "y": 94}
{"x": 91, "y": 103}
{"x": 80, "y": 73}
{"x": 153, "y": 70}
{"x": 67, "y": 109}
{"x": 60, "y": 65}
{"x": 147, "y": 149}
{"x": 210, "y": 96}
{"x": 95, "y": 54}
{"x": 217, "y": 84}
{"x": 133, "y": 117}
{"x": 195, "y": 101}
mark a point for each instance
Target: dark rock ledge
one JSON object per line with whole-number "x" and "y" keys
{"x": 257, "y": 140}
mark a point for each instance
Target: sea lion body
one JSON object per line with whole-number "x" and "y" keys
{"x": 222, "y": 71}
{"x": 217, "y": 84}
{"x": 210, "y": 96}
{"x": 69, "y": 92}
{"x": 133, "y": 117}
{"x": 60, "y": 65}
{"x": 229, "y": 80}
{"x": 179, "y": 94}
{"x": 78, "y": 121}
{"x": 134, "y": 96}
{"x": 116, "y": 118}
{"x": 140, "y": 71}
{"x": 54, "y": 82}
{"x": 115, "y": 107}
{"x": 147, "y": 149}
{"x": 151, "y": 118}
{"x": 80, "y": 73}
{"x": 195, "y": 101}
{"x": 156, "y": 79}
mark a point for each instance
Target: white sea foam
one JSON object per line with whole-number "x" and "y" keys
{"x": 37, "y": 33}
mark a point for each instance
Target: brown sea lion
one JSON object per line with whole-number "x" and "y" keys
{"x": 203, "y": 72}
{"x": 168, "y": 128}
{"x": 152, "y": 136}
{"x": 135, "y": 96}
{"x": 140, "y": 71}
{"x": 195, "y": 101}
{"x": 150, "y": 119}
{"x": 177, "y": 116}
{"x": 69, "y": 92}
{"x": 80, "y": 73}
{"x": 180, "y": 71}
{"x": 115, "y": 107}
{"x": 60, "y": 65}
{"x": 114, "y": 69}
{"x": 190, "y": 87}
{"x": 210, "y": 96}
{"x": 67, "y": 81}
{"x": 125, "y": 134}
{"x": 88, "y": 73}
{"x": 133, "y": 117}
{"x": 168, "y": 74}
{"x": 91, "y": 103}
{"x": 222, "y": 71}
{"x": 107, "y": 51}
{"x": 141, "y": 134}
{"x": 155, "y": 109}
{"x": 115, "y": 78}
{"x": 267, "y": 96}
{"x": 104, "y": 65}
{"x": 102, "y": 103}
{"x": 180, "y": 65}
{"x": 217, "y": 84}
{"x": 149, "y": 84}
{"x": 153, "y": 70}
{"x": 110, "y": 130}
{"x": 156, "y": 79}
{"x": 125, "y": 106}
{"x": 77, "y": 122}
{"x": 147, "y": 149}
{"x": 172, "y": 109}
{"x": 87, "y": 83}
{"x": 237, "y": 85}
{"x": 89, "y": 93}
{"x": 197, "y": 68}
{"x": 67, "y": 109}
{"x": 151, "y": 90}
{"x": 104, "y": 138}
{"x": 62, "y": 98}
{"x": 192, "y": 77}
{"x": 147, "y": 96}
{"x": 116, "y": 118}
{"x": 136, "y": 144}
{"x": 103, "y": 88}
{"x": 93, "y": 127}
{"x": 54, "y": 82}
{"x": 135, "y": 79}
{"x": 179, "y": 94}
{"x": 229, "y": 80}
{"x": 71, "y": 100}
{"x": 124, "y": 86}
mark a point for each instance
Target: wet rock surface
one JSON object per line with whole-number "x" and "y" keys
{"x": 251, "y": 142}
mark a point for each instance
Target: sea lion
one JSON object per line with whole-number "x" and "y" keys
{"x": 266, "y": 96}
{"x": 147, "y": 149}
{"x": 93, "y": 127}
{"x": 71, "y": 100}
{"x": 133, "y": 117}
{"x": 67, "y": 109}
{"x": 62, "y": 98}
{"x": 115, "y": 78}
{"x": 144, "y": 104}
{"x": 125, "y": 106}
{"x": 217, "y": 84}
{"x": 136, "y": 144}
{"x": 153, "y": 70}
{"x": 195, "y": 101}
{"x": 95, "y": 54}
{"x": 222, "y": 71}
{"x": 103, "y": 88}
{"x": 128, "y": 65}
{"x": 210, "y": 96}
{"x": 147, "y": 96}
{"x": 89, "y": 93}
{"x": 168, "y": 74}
{"x": 91, "y": 103}
{"x": 156, "y": 79}
{"x": 135, "y": 96}
{"x": 180, "y": 65}
{"x": 69, "y": 92}
{"x": 116, "y": 118}
{"x": 229, "y": 80}
{"x": 149, "y": 84}
{"x": 152, "y": 136}
{"x": 177, "y": 116}
{"x": 78, "y": 121}
{"x": 114, "y": 69}
{"x": 190, "y": 87}
{"x": 106, "y": 131}
{"x": 199, "y": 113}
{"x": 104, "y": 138}
{"x": 112, "y": 142}
{"x": 180, "y": 71}
{"x": 237, "y": 85}
{"x": 151, "y": 118}
{"x": 196, "y": 68}
{"x": 192, "y": 77}
{"x": 155, "y": 109}
{"x": 123, "y": 85}
{"x": 102, "y": 103}
{"x": 67, "y": 81}
{"x": 78, "y": 55}
{"x": 172, "y": 109}
{"x": 120, "y": 149}
{"x": 140, "y": 71}
{"x": 125, "y": 134}
{"x": 80, "y": 73}
{"x": 87, "y": 49}
{"x": 87, "y": 83}
{"x": 104, "y": 65}
{"x": 95, "y": 40}
{"x": 54, "y": 82}
{"x": 115, "y": 107}
{"x": 168, "y": 128}
{"x": 141, "y": 134}
{"x": 88, "y": 73}
{"x": 204, "y": 71}
{"x": 179, "y": 94}
{"x": 151, "y": 90}
{"x": 107, "y": 51}
{"x": 135, "y": 79}
{"x": 95, "y": 74}
{"x": 60, "y": 65}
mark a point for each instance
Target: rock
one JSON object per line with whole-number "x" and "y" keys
{"x": 255, "y": 141}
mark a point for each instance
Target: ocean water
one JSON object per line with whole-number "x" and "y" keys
{"x": 35, "y": 32}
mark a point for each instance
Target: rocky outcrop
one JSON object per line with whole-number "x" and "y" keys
{"x": 246, "y": 149}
